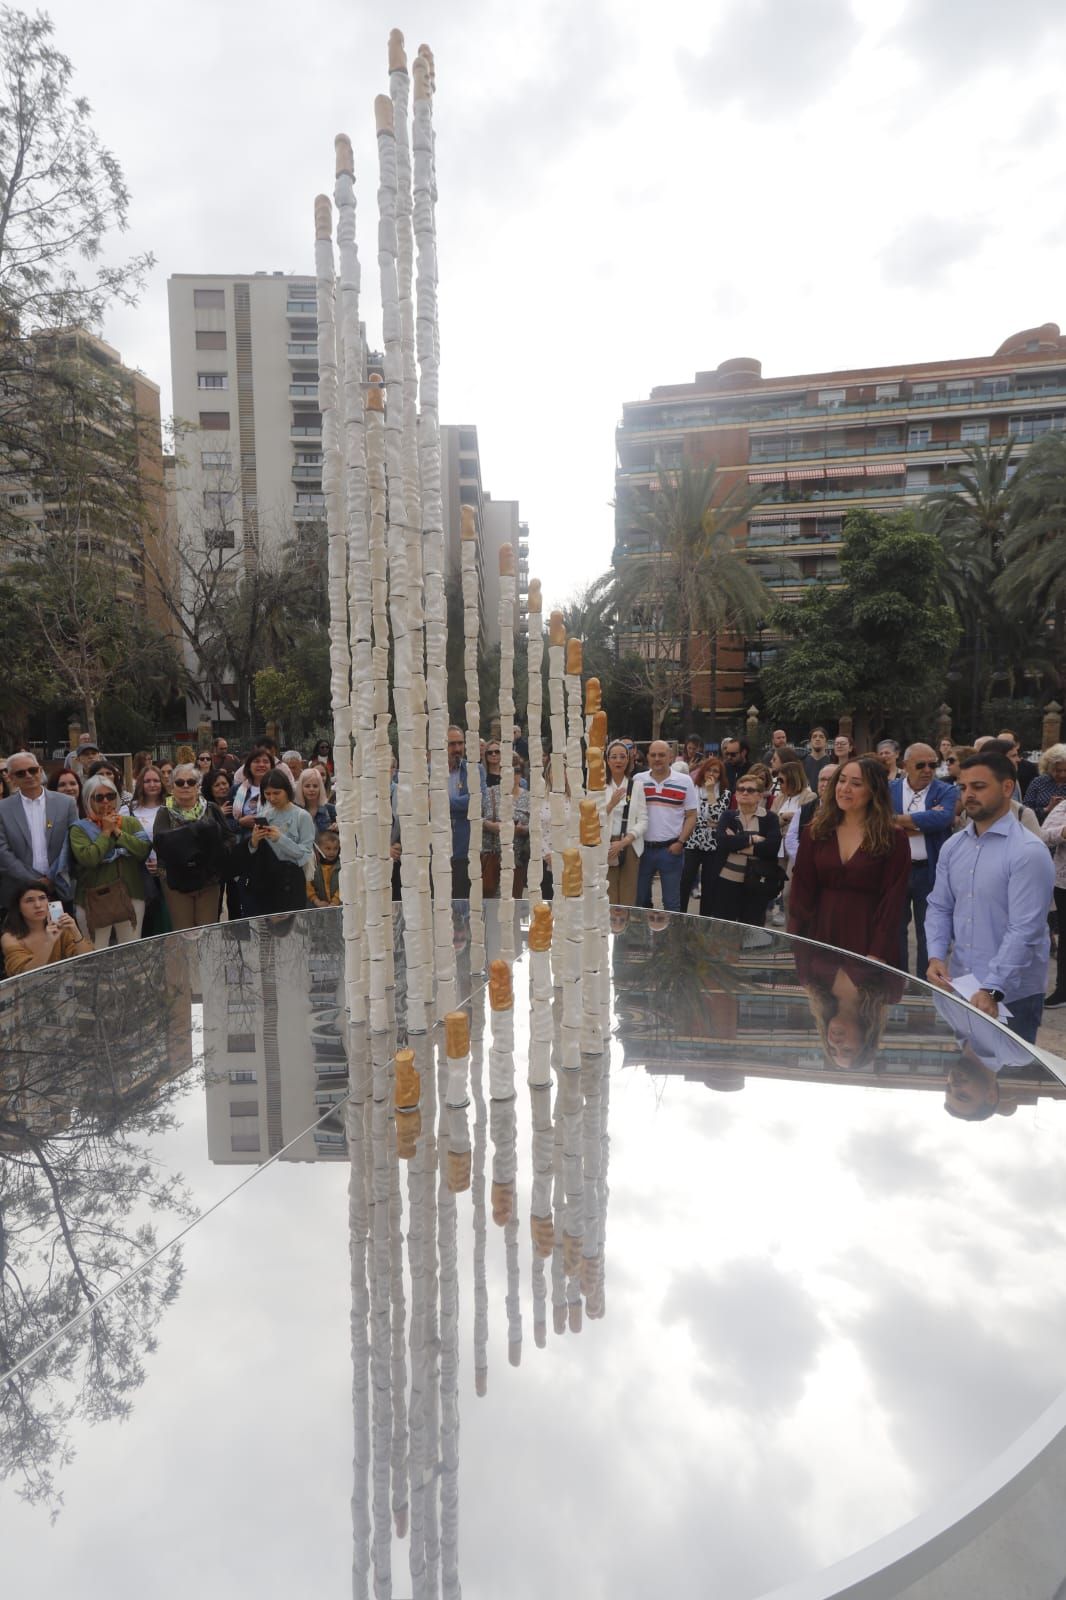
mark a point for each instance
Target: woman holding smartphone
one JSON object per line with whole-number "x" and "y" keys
{"x": 282, "y": 845}
{"x": 39, "y": 932}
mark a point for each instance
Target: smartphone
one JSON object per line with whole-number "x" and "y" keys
{"x": 55, "y": 910}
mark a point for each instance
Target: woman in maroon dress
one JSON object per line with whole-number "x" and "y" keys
{"x": 850, "y": 880}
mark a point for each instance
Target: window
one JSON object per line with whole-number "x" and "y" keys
{"x": 886, "y": 439}
{"x": 918, "y": 438}
{"x": 1026, "y": 429}
{"x": 309, "y": 458}
{"x": 220, "y": 539}
{"x": 831, "y": 397}
{"x": 244, "y": 1108}
{"x": 239, "y": 1044}
{"x": 887, "y": 391}
{"x": 243, "y": 1077}
{"x": 924, "y": 391}
{"x": 974, "y": 433}
{"x": 215, "y": 458}
{"x": 917, "y": 477}
{"x": 959, "y": 388}
{"x": 244, "y": 1141}
{"x": 219, "y": 499}
{"x": 207, "y": 340}
{"x": 209, "y": 299}
{"x": 214, "y": 421}
{"x": 212, "y": 380}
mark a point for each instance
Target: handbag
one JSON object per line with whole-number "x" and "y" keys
{"x": 107, "y": 904}
{"x": 622, "y": 854}
{"x": 763, "y": 878}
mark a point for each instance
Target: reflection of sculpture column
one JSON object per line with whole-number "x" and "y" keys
{"x": 540, "y": 1017}
{"x": 534, "y": 705}
{"x": 507, "y": 599}
{"x": 594, "y": 1072}
{"x": 481, "y": 1291}
{"x": 380, "y": 1311}
{"x": 359, "y": 1240}
{"x": 574, "y": 654}
{"x": 568, "y": 971}
{"x": 457, "y": 1179}
{"x": 428, "y": 350}
{"x": 502, "y": 1091}
{"x": 425, "y": 1286}
{"x": 471, "y": 629}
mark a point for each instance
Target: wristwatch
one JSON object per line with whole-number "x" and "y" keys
{"x": 997, "y": 995}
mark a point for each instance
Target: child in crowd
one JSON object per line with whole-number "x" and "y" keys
{"x": 324, "y": 886}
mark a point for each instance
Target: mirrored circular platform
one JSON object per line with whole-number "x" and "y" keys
{"x": 739, "y": 1307}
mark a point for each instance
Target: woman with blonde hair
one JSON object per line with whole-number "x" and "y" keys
{"x": 1050, "y": 786}
{"x": 852, "y": 870}
{"x": 311, "y": 794}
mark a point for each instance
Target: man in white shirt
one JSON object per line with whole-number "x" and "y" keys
{"x": 672, "y": 804}
{"x": 34, "y": 825}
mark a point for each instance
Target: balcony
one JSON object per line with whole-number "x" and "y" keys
{"x": 983, "y": 396}
{"x": 307, "y": 474}
{"x": 294, "y": 309}
{"x": 304, "y": 351}
{"x": 315, "y": 513}
{"x": 304, "y": 430}
{"x": 303, "y": 391}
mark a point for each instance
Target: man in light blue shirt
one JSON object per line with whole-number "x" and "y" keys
{"x": 990, "y": 902}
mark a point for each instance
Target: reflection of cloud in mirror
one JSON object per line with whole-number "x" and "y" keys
{"x": 887, "y": 1160}
{"x": 961, "y": 38}
{"x": 955, "y": 1389}
{"x": 755, "y": 1328}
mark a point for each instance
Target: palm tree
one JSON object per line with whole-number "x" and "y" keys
{"x": 1034, "y": 551}
{"x": 692, "y": 583}
{"x": 974, "y": 516}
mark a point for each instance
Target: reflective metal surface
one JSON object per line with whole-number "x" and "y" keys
{"x": 731, "y": 1302}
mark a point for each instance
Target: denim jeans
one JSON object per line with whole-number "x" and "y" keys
{"x": 658, "y": 858}
{"x": 1026, "y": 1015}
{"x": 919, "y": 889}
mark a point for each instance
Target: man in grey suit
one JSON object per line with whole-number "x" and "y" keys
{"x": 34, "y": 825}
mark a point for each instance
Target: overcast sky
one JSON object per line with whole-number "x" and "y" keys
{"x": 627, "y": 193}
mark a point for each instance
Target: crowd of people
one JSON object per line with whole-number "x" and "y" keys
{"x": 963, "y": 847}
{"x": 84, "y": 862}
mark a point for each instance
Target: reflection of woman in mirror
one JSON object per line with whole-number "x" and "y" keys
{"x": 849, "y": 1002}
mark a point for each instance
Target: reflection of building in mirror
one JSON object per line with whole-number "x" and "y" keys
{"x": 719, "y": 1004}
{"x": 274, "y": 1040}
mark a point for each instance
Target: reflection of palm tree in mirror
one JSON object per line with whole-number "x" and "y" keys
{"x": 91, "y": 1067}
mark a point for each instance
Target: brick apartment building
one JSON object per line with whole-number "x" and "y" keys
{"x": 819, "y": 443}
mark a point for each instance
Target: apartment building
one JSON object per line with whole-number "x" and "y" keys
{"x": 817, "y": 444}
{"x": 498, "y": 523}
{"x": 248, "y": 467}
{"x": 104, "y": 479}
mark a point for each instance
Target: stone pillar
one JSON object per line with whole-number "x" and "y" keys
{"x": 1051, "y": 733}
{"x": 273, "y": 731}
{"x": 943, "y": 724}
{"x": 205, "y": 734}
{"x": 73, "y": 734}
{"x": 753, "y": 722}
{"x": 846, "y": 725}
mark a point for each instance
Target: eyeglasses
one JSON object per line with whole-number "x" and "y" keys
{"x": 185, "y": 783}
{"x": 23, "y": 772}
{"x": 923, "y": 765}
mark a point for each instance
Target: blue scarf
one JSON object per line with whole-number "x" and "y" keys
{"x": 94, "y": 831}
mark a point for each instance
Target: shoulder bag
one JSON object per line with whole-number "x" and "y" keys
{"x": 622, "y": 854}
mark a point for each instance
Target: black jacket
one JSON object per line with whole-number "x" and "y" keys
{"x": 192, "y": 854}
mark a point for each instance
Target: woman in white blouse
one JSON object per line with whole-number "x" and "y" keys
{"x": 627, "y": 813}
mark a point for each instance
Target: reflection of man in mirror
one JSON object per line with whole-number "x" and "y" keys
{"x": 972, "y": 1091}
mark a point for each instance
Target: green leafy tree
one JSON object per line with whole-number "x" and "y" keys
{"x": 1033, "y": 577}
{"x": 879, "y": 646}
{"x": 690, "y": 587}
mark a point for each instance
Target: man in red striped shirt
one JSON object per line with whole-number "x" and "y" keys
{"x": 672, "y": 803}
